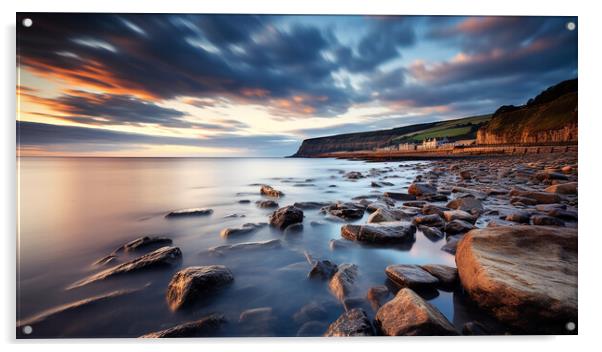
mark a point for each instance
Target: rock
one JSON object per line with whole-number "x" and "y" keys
{"x": 451, "y": 245}
{"x": 458, "y": 226}
{"x": 342, "y": 282}
{"x": 338, "y": 244}
{"x": 523, "y": 201}
{"x": 415, "y": 204}
{"x": 353, "y": 175}
{"x": 386, "y": 232}
{"x": 270, "y": 191}
{"x": 257, "y": 322}
{"x": 430, "y": 209}
{"x": 388, "y": 215}
{"x": 469, "y": 204}
{"x": 432, "y": 233}
{"x": 352, "y": 323}
{"x": 434, "y": 197}
{"x": 521, "y": 217}
{"x": 244, "y": 229}
{"x": 379, "y": 204}
{"x": 567, "y": 169}
{"x": 311, "y": 311}
{"x": 311, "y": 328}
{"x": 205, "y": 327}
{"x": 432, "y": 220}
{"x": 322, "y": 269}
{"x": 451, "y": 215}
{"x": 412, "y": 276}
{"x": 310, "y": 205}
{"x": 526, "y": 276}
{"x": 144, "y": 242}
{"x": 409, "y": 315}
{"x": 539, "y": 197}
{"x": 246, "y": 246}
{"x": 468, "y": 192}
{"x": 346, "y": 211}
{"x": 563, "y": 214}
{"x": 108, "y": 259}
{"x": 399, "y": 196}
{"x": 255, "y": 314}
{"x": 380, "y": 184}
{"x": 165, "y": 257}
{"x": 189, "y": 212}
{"x": 548, "y": 175}
{"x": 563, "y": 188}
{"x": 475, "y": 328}
{"x": 286, "y": 216}
{"x": 191, "y": 284}
{"x": 266, "y": 203}
{"x": 244, "y": 201}
{"x": 421, "y": 189}
{"x": 544, "y": 220}
{"x": 465, "y": 174}
{"x": 548, "y": 207}
{"x": 447, "y": 275}
{"x": 377, "y": 296}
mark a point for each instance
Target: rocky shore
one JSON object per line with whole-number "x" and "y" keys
{"x": 510, "y": 221}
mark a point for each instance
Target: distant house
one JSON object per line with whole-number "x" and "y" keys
{"x": 429, "y": 143}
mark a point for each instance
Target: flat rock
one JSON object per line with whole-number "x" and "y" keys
{"x": 451, "y": 215}
{"x": 286, "y": 216}
{"x": 191, "y": 284}
{"x": 241, "y": 230}
{"x": 421, "y": 189}
{"x": 388, "y": 215}
{"x": 246, "y": 246}
{"x": 430, "y": 209}
{"x": 270, "y": 191}
{"x": 458, "y": 226}
{"x": 351, "y": 323}
{"x": 266, "y": 203}
{"x": 145, "y": 242}
{"x": 469, "y": 204}
{"x": 399, "y": 196}
{"x": 189, "y": 212}
{"x": 432, "y": 233}
{"x": 205, "y": 327}
{"x": 409, "y": 315}
{"x": 164, "y": 257}
{"x": 447, "y": 275}
{"x": 563, "y": 188}
{"x": 386, "y": 232}
{"x": 526, "y": 276}
{"x": 310, "y": 205}
{"x": 538, "y": 197}
{"x": 544, "y": 220}
{"x": 412, "y": 276}
{"x": 522, "y": 217}
{"x": 346, "y": 211}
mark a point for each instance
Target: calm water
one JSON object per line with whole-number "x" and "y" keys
{"x": 72, "y": 211}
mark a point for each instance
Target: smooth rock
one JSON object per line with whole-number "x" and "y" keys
{"x": 421, "y": 189}
{"x": 386, "y": 232}
{"x": 399, "y": 196}
{"x": 433, "y": 220}
{"x": 451, "y": 215}
{"x": 245, "y": 246}
{"x": 270, "y": 191}
{"x": 145, "y": 242}
{"x": 189, "y": 212}
{"x": 266, "y": 203}
{"x": 286, "y": 216}
{"x": 468, "y": 204}
{"x": 388, "y": 215}
{"x": 432, "y": 233}
{"x": 458, "y": 226}
{"x": 412, "y": 276}
{"x": 544, "y": 220}
{"x": 563, "y": 188}
{"x": 342, "y": 282}
{"x": 205, "y": 327}
{"x": 241, "y": 230}
{"x": 521, "y": 217}
{"x": 191, "y": 284}
{"x": 447, "y": 275}
{"x": 346, "y": 211}
{"x": 539, "y": 197}
{"x": 310, "y": 205}
{"x": 351, "y": 323}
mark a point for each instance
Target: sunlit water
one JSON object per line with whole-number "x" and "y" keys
{"x": 73, "y": 211}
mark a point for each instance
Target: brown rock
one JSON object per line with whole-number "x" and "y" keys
{"x": 539, "y": 197}
{"x": 451, "y": 215}
{"x": 458, "y": 226}
{"x": 412, "y": 276}
{"x": 191, "y": 284}
{"x": 352, "y": 323}
{"x": 544, "y": 220}
{"x": 447, "y": 275}
{"x": 286, "y": 216}
{"x": 388, "y": 215}
{"x": 342, "y": 282}
{"x": 205, "y": 327}
{"x": 469, "y": 204}
{"x": 386, "y": 232}
{"x": 432, "y": 220}
{"x": 526, "y": 276}
{"x": 421, "y": 189}
{"x": 563, "y": 188}
{"x": 270, "y": 191}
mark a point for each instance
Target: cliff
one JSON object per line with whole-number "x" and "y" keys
{"x": 550, "y": 117}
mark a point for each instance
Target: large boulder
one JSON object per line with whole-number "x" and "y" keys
{"x": 286, "y": 216}
{"x": 526, "y": 276}
{"x": 352, "y": 323}
{"x": 409, "y": 315}
{"x": 164, "y": 257}
{"x": 421, "y": 189}
{"x": 191, "y": 284}
{"x": 386, "y": 232}
{"x": 204, "y": 327}
{"x": 412, "y": 276}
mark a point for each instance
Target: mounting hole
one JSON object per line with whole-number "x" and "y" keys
{"x": 27, "y": 329}
{"x": 571, "y": 26}
{"x": 27, "y": 22}
{"x": 570, "y": 326}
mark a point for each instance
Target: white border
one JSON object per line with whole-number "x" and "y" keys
{"x": 590, "y": 132}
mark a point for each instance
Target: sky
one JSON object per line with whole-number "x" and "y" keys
{"x": 160, "y": 85}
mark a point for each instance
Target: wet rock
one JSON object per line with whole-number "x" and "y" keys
{"x": 342, "y": 282}
{"x": 412, "y": 276}
{"x": 458, "y": 226}
{"x": 322, "y": 269}
{"x": 165, "y": 257}
{"x": 246, "y": 246}
{"x": 430, "y": 209}
{"x": 257, "y": 322}
{"x": 432, "y": 233}
{"x": 523, "y": 201}
{"x": 386, "y": 232}
{"x": 353, "y": 175}
{"x": 434, "y": 197}
{"x": 469, "y": 204}
{"x": 526, "y": 276}
{"x": 399, "y": 196}
{"x": 352, "y": 323}
{"x": 374, "y": 206}
{"x": 451, "y": 245}
{"x": 377, "y": 296}
{"x": 266, "y": 203}
{"x": 270, "y": 191}
{"x": 205, "y": 327}
{"x": 310, "y": 205}
{"x": 346, "y": 211}
{"x": 544, "y": 220}
{"x": 465, "y": 174}
{"x": 563, "y": 214}
{"x": 451, "y": 215}
{"x": 474, "y": 328}
{"x": 338, "y": 244}
{"x": 286, "y": 216}
{"x": 244, "y": 201}
{"x": 311, "y": 328}
{"x": 380, "y": 184}
{"x": 189, "y": 212}
{"x": 234, "y": 215}
{"x": 241, "y": 230}
{"x": 106, "y": 260}
{"x": 409, "y": 315}
{"x": 563, "y": 188}
{"x": 447, "y": 275}
{"x": 468, "y": 192}
{"x": 433, "y": 220}
{"x": 548, "y": 207}
{"x": 539, "y": 197}
{"x": 415, "y": 204}
{"x": 521, "y": 217}
{"x": 145, "y": 242}
{"x": 311, "y": 311}
{"x": 421, "y": 189}
{"x": 548, "y": 176}
{"x": 193, "y": 283}
{"x": 388, "y": 215}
